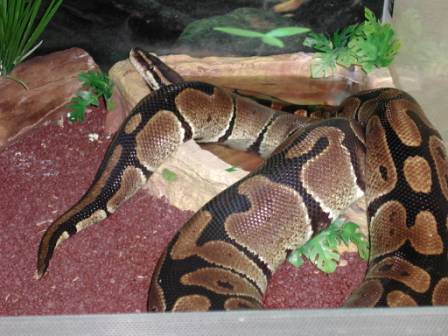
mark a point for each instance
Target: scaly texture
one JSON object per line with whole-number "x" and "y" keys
{"x": 381, "y": 144}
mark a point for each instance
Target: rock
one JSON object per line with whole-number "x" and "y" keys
{"x": 129, "y": 82}
{"x": 192, "y": 168}
{"x": 286, "y": 77}
{"x": 52, "y": 82}
{"x": 273, "y": 76}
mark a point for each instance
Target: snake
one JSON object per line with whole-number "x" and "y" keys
{"x": 379, "y": 144}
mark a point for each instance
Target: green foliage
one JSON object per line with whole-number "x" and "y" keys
{"x": 19, "y": 30}
{"x": 374, "y": 44}
{"x": 332, "y": 50}
{"x": 231, "y": 169}
{"x": 271, "y": 37}
{"x": 169, "y": 175}
{"x": 96, "y": 84}
{"x": 79, "y": 104}
{"x": 369, "y": 45}
{"x": 322, "y": 249}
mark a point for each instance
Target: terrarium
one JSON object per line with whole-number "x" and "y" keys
{"x": 234, "y": 155}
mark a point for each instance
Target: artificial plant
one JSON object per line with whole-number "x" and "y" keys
{"x": 95, "y": 85}
{"x": 369, "y": 45}
{"x": 19, "y": 30}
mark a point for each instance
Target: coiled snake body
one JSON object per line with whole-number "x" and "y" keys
{"x": 379, "y": 144}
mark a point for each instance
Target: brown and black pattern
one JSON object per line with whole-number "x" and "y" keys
{"x": 381, "y": 144}
{"x": 407, "y": 207}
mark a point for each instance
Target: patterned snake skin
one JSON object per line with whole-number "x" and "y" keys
{"x": 380, "y": 145}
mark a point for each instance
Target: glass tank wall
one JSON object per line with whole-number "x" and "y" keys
{"x": 109, "y": 29}
{"x": 421, "y": 67}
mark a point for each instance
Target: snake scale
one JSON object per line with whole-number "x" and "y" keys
{"x": 379, "y": 145}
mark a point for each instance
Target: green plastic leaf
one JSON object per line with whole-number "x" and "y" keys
{"x": 296, "y": 259}
{"x": 287, "y": 31}
{"x": 169, "y": 175}
{"x": 110, "y": 104}
{"x": 341, "y": 37}
{"x": 369, "y": 45}
{"x": 348, "y": 230}
{"x": 369, "y": 15}
{"x": 320, "y": 42}
{"x": 350, "y": 233}
{"x": 78, "y": 108}
{"x": 374, "y": 44}
{"x": 239, "y": 32}
{"x": 345, "y": 57}
{"x": 78, "y": 105}
{"x": 231, "y": 169}
{"x": 99, "y": 82}
{"x": 273, "y": 41}
{"x": 323, "y": 256}
{"x": 323, "y": 65}
{"x": 322, "y": 249}
{"x": 96, "y": 84}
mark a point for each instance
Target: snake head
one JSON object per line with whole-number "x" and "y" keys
{"x": 155, "y": 72}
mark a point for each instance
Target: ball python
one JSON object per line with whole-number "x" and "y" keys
{"x": 379, "y": 145}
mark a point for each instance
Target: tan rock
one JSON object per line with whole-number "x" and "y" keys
{"x": 52, "y": 82}
{"x": 286, "y": 77}
{"x": 129, "y": 82}
{"x": 198, "y": 177}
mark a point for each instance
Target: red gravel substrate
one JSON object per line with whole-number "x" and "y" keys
{"x": 106, "y": 268}
{"x": 307, "y": 287}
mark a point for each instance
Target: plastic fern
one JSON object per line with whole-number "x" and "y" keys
{"x": 322, "y": 249}
{"x": 369, "y": 45}
{"x": 374, "y": 44}
{"x": 96, "y": 85}
{"x": 79, "y": 105}
{"x": 100, "y": 83}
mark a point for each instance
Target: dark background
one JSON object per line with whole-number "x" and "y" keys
{"x": 109, "y": 29}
